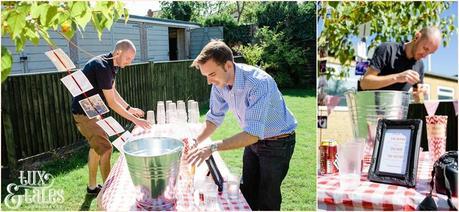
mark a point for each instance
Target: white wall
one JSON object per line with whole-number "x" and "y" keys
{"x": 158, "y": 42}
{"x": 37, "y": 61}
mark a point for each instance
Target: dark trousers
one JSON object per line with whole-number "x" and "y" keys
{"x": 265, "y": 165}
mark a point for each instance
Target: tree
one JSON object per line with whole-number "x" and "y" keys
{"x": 195, "y": 11}
{"x": 239, "y": 9}
{"x": 178, "y": 10}
{"x": 246, "y": 11}
{"x": 297, "y": 21}
{"x": 232, "y": 34}
{"x": 30, "y": 21}
{"x": 285, "y": 42}
{"x": 235, "y": 32}
{"x": 389, "y": 21}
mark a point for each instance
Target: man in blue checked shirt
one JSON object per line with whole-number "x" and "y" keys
{"x": 268, "y": 126}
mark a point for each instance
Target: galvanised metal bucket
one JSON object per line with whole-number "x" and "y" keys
{"x": 153, "y": 164}
{"x": 367, "y": 107}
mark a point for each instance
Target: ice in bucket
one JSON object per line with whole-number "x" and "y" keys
{"x": 153, "y": 164}
{"x": 349, "y": 163}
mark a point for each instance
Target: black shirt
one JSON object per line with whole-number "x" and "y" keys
{"x": 390, "y": 58}
{"x": 101, "y": 74}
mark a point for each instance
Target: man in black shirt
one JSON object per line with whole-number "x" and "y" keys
{"x": 101, "y": 72}
{"x": 398, "y": 66}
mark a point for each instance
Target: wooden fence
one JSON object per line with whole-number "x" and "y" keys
{"x": 36, "y": 108}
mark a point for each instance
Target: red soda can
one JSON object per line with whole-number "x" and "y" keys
{"x": 328, "y": 150}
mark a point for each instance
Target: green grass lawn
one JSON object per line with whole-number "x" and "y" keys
{"x": 298, "y": 188}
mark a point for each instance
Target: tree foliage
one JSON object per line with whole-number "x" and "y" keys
{"x": 245, "y": 11}
{"x": 234, "y": 33}
{"x": 179, "y": 10}
{"x": 195, "y": 11}
{"x": 30, "y": 21}
{"x": 389, "y": 21}
{"x": 285, "y": 42}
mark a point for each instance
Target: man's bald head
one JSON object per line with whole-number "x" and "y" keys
{"x": 431, "y": 32}
{"x": 124, "y": 45}
{"x": 124, "y": 53}
{"x": 426, "y": 42}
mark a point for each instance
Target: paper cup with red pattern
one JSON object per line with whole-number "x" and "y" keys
{"x": 436, "y": 136}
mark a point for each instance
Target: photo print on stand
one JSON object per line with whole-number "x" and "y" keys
{"x": 110, "y": 126}
{"x": 77, "y": 83}
{"x": 93, "y": 106}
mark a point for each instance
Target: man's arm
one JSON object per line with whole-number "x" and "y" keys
{"x": 239, "y": 140}
{"x": 118, "y": 108}
{"x": 242, "y": 139}
{"x": 372, "y": 81}
{"x": 255, "y": 118}
{"x": 209, "y": 129}
{"x": 134, "y": 111}
{"x": 215, "y": 115}
{"x": 118, "y": 97}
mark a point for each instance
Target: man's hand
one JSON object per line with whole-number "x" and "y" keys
{"x": 198, "y": 155}
{"x": 408, "y": 76}
{"x": 136, "y": 112}
{"x": 142, "y": 123}
{"x": 418, "y": 93}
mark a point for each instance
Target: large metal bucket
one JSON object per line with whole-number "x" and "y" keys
{"x": 154, "y": 164}
{"x": 367, "y": 107}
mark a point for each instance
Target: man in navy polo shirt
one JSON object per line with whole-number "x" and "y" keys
{"x": 101, "y": 73}
{"x": 399, "y": 66}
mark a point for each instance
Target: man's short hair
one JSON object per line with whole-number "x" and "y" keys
{"x": 124, "y": 45}
{"x": 430, "y": 31}
{"x": 216, "y": 50}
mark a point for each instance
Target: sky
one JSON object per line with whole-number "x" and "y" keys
{"x": 444, "y": 61}
{"x": 140, "y": 7}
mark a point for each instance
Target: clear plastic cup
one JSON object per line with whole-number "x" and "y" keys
{"x": 349, "y": 163}
{"x": 194, "y": 112}
{"x": 171, "y": 113}
{"x": 151, "y": 116}
{"x": 232, "y": 186}
{"x": 160, "y": 113}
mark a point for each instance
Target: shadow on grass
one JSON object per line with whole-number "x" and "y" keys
{"x": 87, "y": 202}
{"x": 63, "y": 165}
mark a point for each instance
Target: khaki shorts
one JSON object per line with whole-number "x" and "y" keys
{"x": 94, "y": 134}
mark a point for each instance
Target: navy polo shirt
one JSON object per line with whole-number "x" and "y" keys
{"x": 390, "y": 58}
{"x": 101, "y": 73}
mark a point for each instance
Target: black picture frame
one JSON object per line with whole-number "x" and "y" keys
{"x": 410, "y": 158}
{"x": 215, "y": 172}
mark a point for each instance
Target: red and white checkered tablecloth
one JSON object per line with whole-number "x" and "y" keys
{"x": 118, "y": 193}
{"x": 378, "y": 196}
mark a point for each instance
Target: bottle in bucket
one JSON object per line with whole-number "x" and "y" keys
{"x": 328, "y": 151}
